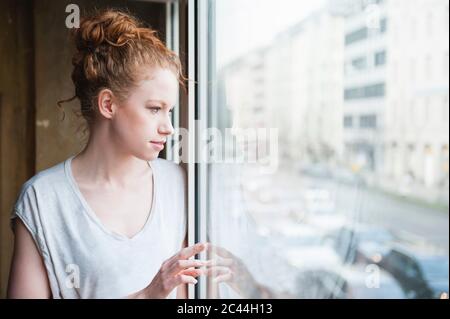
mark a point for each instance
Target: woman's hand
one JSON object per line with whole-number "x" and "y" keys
{"x": 177, "y": 270}
{"x": 227, "y": 268}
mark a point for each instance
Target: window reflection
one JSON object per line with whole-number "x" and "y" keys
{"x": 357, "y": 206}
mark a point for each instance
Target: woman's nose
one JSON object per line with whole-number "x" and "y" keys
{"x": 166, "y": 129}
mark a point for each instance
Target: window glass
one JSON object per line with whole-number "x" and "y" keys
{"x": 311, "y": 178}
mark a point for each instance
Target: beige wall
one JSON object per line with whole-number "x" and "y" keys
{"x": 17, "y": 106}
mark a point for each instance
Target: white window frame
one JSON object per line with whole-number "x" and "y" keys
{"x": 196, "y": 112}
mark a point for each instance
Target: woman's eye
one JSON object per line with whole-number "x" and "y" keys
{"x": 154, "y": 110}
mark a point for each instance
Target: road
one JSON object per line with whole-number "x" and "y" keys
{"x": 421, "y": 223}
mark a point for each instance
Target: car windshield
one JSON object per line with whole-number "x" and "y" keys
{"x": 435, "y": 268}
{"x": 376, "y": 235}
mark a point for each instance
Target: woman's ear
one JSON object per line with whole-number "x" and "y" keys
{"x": 105, "y": 103}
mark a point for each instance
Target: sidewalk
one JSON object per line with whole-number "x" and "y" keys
{"x": 413, "y": 191}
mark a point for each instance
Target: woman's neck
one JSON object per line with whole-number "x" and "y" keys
{"x": 104, "y": 162}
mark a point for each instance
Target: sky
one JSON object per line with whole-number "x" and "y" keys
{"x": 243, "y": 25}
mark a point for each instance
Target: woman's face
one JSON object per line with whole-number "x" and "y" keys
{"x": 142, "y": 122}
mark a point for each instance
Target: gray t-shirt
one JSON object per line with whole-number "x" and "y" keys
{"x": 82, "y": 257}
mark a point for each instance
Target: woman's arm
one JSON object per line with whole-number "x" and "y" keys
{"x": 28, "y": 276}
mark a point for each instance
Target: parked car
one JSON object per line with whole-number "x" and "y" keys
{"x": 421, "y": 275}
{"x": 320, "y": 284}
{"x": 347, "y": 282}
{"x": 370, "y": 283}
{"x": 361, "y": 243}
{"x": 316, "y": 278}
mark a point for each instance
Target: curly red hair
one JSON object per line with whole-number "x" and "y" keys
{"x": 112, "y": 49}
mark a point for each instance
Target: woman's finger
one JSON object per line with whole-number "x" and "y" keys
{"x": 182, "y": 264}
{"x": 220, "y": 251}
{"x": 184, "y": 279}
{"x": 223, "y": 278}
{"x": 192, "y": 272}
{"x": 216, "y": 271}
{"x": 190, "y": 251}
{"x": 185, "y": 253}
{"x": 220, "y": 262}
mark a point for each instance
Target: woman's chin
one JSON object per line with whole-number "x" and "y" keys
{"x": 148, "y": 156}
{"x": 153, "y": 155}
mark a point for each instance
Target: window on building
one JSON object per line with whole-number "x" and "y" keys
{"x": 348, "y": 121}
{"x": 368, "y": 91}
{"x": 380, "y": 58}
{"x": 383, "y": 25}
{"x": 359, "y": 63}
{"x": 368, "y": 121}
{"x": 356, "y": 36}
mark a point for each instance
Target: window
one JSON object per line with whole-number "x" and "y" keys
{"x": 383, "y": 25}
{"x": 359, "y": 63}
{"x": 283, "y": 180}
{"x": 368, "y": 91}
{"x": 368, "y": 121}
{"x": 380, "y": 58}
{"x": 348, "y": 121}
{"x": 356, "y": 36}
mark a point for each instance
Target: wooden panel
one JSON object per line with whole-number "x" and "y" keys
{"x": 35, "y": 59}
{"x": 17, "y": 151}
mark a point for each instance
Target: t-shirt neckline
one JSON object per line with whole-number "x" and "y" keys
{"x": 87, "y": 209}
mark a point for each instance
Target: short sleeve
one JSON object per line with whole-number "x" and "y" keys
{"x": 26, "y": 208}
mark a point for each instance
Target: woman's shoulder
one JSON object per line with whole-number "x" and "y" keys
{"x": 174, "y": 186}
{"x": 49, "y": 177}
{"x": 171, "y": 177}
{"x": 38, "y": 194}
{"x": 168, "y": 167}
{"x": 47, "y": 183}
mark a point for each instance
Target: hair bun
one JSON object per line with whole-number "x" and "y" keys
{"x": 112, "y": 48}
{"x": 112, "y": 27}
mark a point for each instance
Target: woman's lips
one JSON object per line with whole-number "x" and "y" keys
{"x": 159, "y": 145}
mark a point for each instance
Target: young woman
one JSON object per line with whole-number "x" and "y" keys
{"x": 110, "y": 222}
